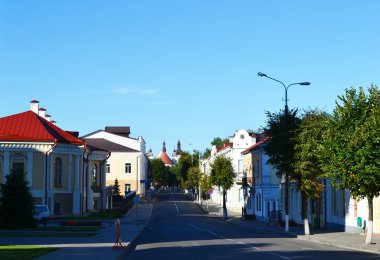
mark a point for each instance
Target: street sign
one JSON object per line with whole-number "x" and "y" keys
{"x": 210, "y": 191}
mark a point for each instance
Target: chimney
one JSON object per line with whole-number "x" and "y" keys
{"x": 42, "y": 112}
{"x": 48, "y": 117}
{"x": 34, "y": 106}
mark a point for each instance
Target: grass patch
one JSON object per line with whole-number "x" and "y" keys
{"x": 70, "y": 228}
{"x": 24, "y": 252}
{"x": 46, "y": 234}
{"x": 98, "y": 216}
{"x": 65, "y": 228}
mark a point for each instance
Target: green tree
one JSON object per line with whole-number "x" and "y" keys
{"x": 223, "y": 176}
{"x": 308, "y": 171}
{"x": 205, "y": 184}
{"x": 219, "y": 142}
{"x": 351, "y": 146}
{"x": 16, "y": 202}
{"x": 184, "y": 164}
{"x": 159, "y": 172}
{"x": 206, "y": 153}
{"x": 116, "y": 191}
{"x": 195, "y": 157}
{"x": 193, "y": 178}
{"x": 281, "y": 129}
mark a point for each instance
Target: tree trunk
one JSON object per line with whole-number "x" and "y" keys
{"x": 224, "y": 205}
{"x": 304, "y": 211}
{"x": 286, "y": 197}
{"x": 368, "y": 239}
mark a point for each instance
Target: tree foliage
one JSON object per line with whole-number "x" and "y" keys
{"x": 219, "y": 142}
{"x": 352, "y": 143}
{"x": 206, "y": 153}
{"x": 184, "y": 164}
{"x": 281, "y": 129}
{"x": 159, "y": 172}
{"x": 16, "y": 202}
{"x": 308, "y": 142}
{"x": 352, "y": 146}
{"x": 193, "y": 177}
{"x": 116, "y": 191}
{"x": 222, "y": 173}
{"x": 206, "y": 185}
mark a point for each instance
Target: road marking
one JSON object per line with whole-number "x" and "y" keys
{"x": 240, "y": 243}
{"x": 198, "y": 228}
{"x": 212, "y": 233}
{"x": 175, "y": 204}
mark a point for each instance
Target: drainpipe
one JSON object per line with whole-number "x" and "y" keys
{"x": 46, "y": 170}
{"x": 84, "y": 161}
{"x": 101, "y": 180}
{"x": 86, "y": 175}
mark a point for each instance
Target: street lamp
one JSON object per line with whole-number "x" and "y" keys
{"x": 260, "y": 74}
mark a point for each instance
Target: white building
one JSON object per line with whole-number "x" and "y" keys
{"x": 240, "y": 141}
{"x": 128, "y": 162}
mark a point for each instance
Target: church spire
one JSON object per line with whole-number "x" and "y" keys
{"x": 163, "y": 147}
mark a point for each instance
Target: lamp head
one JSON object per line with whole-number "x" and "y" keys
{"x": 260, "y": 74}
{"x": 304, "y": 83}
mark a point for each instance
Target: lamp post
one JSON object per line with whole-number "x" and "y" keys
{"x": 260, "y": 74}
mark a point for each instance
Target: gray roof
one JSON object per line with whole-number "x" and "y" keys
{"x": 104, "y": 144}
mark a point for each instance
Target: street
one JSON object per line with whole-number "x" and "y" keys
{"x": 179, "y": 229}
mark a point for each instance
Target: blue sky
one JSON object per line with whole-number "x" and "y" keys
{"x": 182, "y": 69}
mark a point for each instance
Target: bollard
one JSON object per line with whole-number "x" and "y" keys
{"x": 118, "y": 242}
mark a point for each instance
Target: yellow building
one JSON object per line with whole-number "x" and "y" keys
{"x": 51, "y": 158}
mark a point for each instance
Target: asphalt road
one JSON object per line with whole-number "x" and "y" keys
{"x": 179, "y": 229}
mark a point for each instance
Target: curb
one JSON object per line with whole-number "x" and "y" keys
{"x": 205, "y": 211}
{"x": 132, "y": 243}
{"x": 304, "y": 238}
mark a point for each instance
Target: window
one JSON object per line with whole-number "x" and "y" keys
{"x": 128, "y": 168}
{"x": 240, "y": 166}
{"x": 258, "y": 202}
{"x": 18, "y": 166}
{"x": 108, "y": 168}
{"x": 127, "y": 188}
{"x": 94, "y": 175}
{"x": 58, "y": 172}
{"x": 18, "y": 162}
{"x": 257, "y": 168}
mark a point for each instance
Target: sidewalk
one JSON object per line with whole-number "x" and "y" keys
{"x": 340, "y": 239}
{"x": 100, "y": 246}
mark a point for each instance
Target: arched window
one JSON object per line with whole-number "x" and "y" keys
{"x": 58, "y": 172}
{"x": 94, "y": 175}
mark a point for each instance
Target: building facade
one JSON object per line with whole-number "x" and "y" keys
{"x": 128, "y": 162}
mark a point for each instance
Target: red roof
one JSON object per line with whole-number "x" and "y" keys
{"x": 218, "y": 149}
{"x": 28, "y": 126}
{"x": 254, "y": 146}
{"x": 165, "y": 158}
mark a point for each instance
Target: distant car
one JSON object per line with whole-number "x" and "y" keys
{"x": 41, "y": 213}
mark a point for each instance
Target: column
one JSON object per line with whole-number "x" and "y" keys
{"x": 70, "y": 172}
{"x": 29, "y": 170}
{"x": 76, "y": 193}
{"x": 6, "y": 164}
{"x": 103, "y": 185}
{"x": 89, "y": 194}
